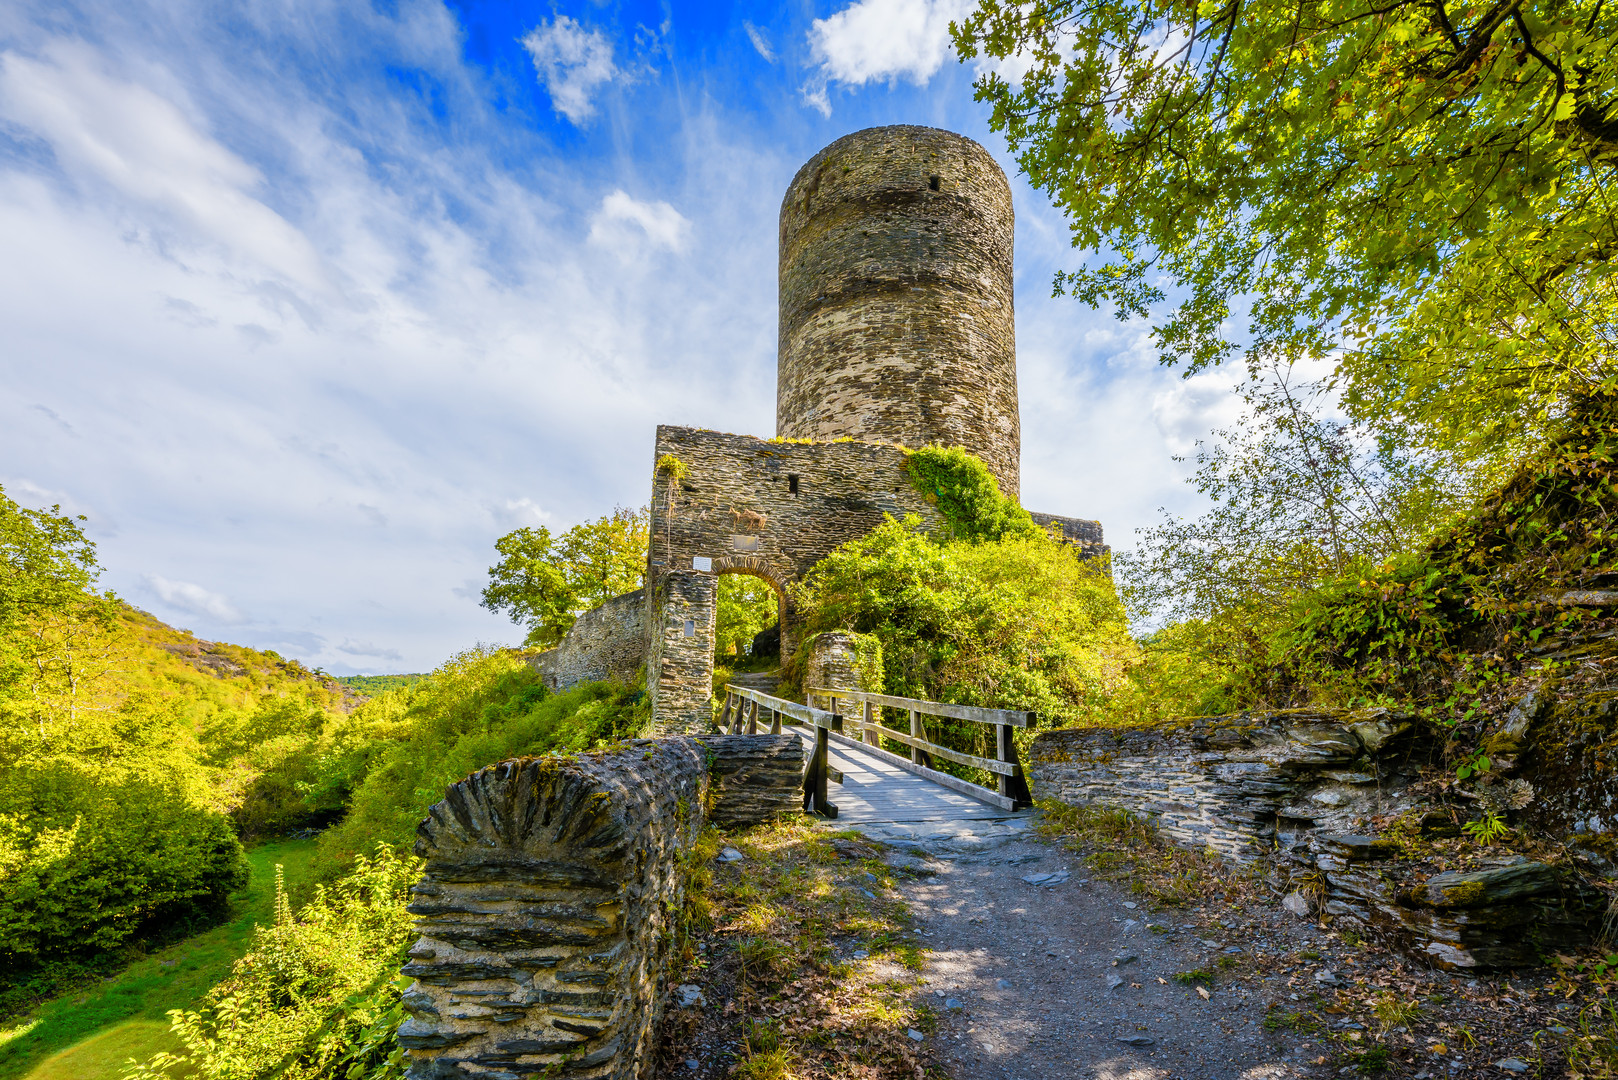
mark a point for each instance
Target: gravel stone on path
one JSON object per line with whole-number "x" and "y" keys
{"x": 1041, "y": 971}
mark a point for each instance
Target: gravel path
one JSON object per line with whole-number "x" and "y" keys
{"x": 1074, "y": 979}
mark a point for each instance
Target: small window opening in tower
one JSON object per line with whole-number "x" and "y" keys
{"x": 934, "y": 181}
{"x": 690, "y": 628}
{"x": 792, "y": 483}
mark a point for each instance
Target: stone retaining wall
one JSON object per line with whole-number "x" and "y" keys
{"x": 1303, "y": 786}
{"x": 1240, "y": 785}
{"x": 550, "y": 893}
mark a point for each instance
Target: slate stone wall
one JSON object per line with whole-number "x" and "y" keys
{"x": 1239, "y": 785}
{"x": 548, "y": 899}
{"x": 896, "y": 319}
{"x": 1082, "y": 533}
{"x": 548, "y": 889}
{"x": 834, "y": 665}
{"x": 1302, "y": 786}
{"x": 609, "y": 642}
{"x": 679, "y": 671}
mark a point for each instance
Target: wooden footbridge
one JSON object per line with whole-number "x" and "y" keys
{"x": 877, "y": 784}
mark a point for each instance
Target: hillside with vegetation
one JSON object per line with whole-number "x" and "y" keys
{"x": 139, "y": 764}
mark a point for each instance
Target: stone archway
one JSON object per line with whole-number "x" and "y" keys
{"x": 777, "y": 579}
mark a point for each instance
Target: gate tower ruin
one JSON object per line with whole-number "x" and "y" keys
{"x": 896, "y": 332}
{"x": 896, "y": 300}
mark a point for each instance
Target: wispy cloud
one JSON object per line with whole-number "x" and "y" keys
{"x": 760, "y": 43}
{"x": 193, "y": 599}
{"x": 573, "y": 63}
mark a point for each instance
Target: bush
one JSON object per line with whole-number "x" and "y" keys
{"x": 480, "y": 707}
{"x": 967, "y": 495}
{"x": 113, "y": 864}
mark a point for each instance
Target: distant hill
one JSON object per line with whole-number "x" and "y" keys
{"x": 170, "y": 661}
{"x": 371, "y": 685}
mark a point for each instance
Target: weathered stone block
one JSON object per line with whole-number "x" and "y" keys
{"x": 753, "y": 778}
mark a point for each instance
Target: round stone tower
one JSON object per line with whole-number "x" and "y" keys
{"x": 896, "y": 316}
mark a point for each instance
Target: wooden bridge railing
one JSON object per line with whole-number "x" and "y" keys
{"x": 1011, "y": 785}
{"x": 744, "y": 703}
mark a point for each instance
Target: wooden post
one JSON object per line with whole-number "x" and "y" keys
{"x": 815, "y": 776}
{"x": 867, "y": 736}
{"x": 775, "y": 721}
{"x": 724, "y": 717}
{"x": 917, "y": 754}
{"x": 752, "y": 720}
{"x": 1015, "y": 786}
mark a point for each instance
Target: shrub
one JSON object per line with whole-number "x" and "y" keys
{"x": 967, "y": 495}
{"x": 317, "y": 995}
{"x": 111, "y": 864}
{"x": 480, "y": 707}
{"x": 1021, "y": 622}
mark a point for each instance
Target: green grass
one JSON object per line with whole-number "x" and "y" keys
{"x": 93, "y": 1021}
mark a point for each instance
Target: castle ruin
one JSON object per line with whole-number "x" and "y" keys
{"x": 896, "y": 331}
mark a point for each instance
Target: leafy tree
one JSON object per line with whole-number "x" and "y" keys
{"x": 547, "y": 582}
{"x": 1425, "y": 185}
{"x": 1298, "y": 499}
{"x": 744, "y": 606}
{"x": 1021, "y": 623}
{"x": 54, "y": 625}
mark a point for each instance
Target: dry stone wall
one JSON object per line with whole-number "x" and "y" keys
{"x": 549, "y": 895}
{"x": 609, "y": 642}
{"x": 1302, "y": 786}
{"x": 896, "y": 297}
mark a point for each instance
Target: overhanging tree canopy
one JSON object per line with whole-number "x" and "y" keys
{"x": 1424, "y": 185}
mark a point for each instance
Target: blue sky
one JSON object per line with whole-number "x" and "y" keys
{"x": 307, "y": 303}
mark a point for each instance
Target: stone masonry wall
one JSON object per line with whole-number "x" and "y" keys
{"x": 834, "y": 665}
{"x": 896, "y": 297}
{"x": 737, "y": 507}
{"x": 609, "y": 642}
{"x": 773, "y": 509}
{"x": 679, "y": 669}
{"x": 548, "y": 897}
{"x": 1082, "y": 533}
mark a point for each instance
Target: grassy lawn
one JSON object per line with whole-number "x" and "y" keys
{"x": 88, "y": 1033}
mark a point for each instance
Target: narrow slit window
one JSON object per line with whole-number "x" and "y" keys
{"x": 690, "y": 628}
{"x": 934, "y": 181}
{"x": 792, "y": 483}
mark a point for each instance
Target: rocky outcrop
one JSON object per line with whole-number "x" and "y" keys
{"x": 549, "y": 896}
{"x": 1507, "y": 914}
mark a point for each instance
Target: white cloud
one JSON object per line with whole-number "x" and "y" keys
{"x": 572, "y": 62}
{"x": 880, "y": 40}
{"x": 626, "y": 226}
{"x": 760, "y": 42}
{"x": 193, "y": 599}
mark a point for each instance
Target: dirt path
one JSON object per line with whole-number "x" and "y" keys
{"x": 1075, "y": 979}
